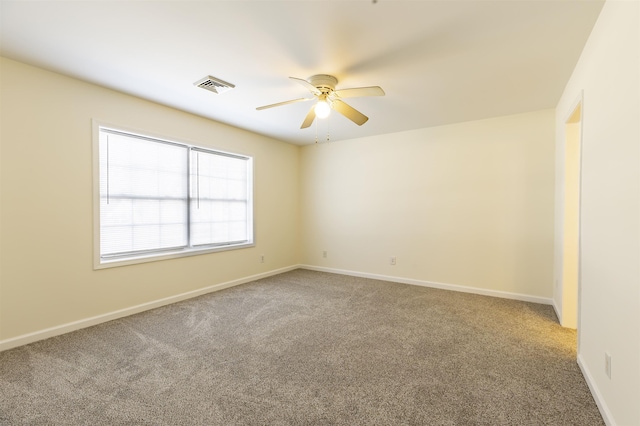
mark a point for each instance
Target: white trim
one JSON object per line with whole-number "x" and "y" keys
{"x": 152, "y": 256}
{"x": 88, "y": 322}
{"x": 443, "y": 286}
{"x": 577, "y": 102}
{"x": 602, "y": 406}
{"x": 557, "y": 310}
{"x": 580, "y": 102}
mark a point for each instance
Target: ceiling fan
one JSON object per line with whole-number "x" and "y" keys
{"x": 323, "y": 87}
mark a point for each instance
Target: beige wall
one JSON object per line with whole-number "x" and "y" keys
{"x": 46, "y": 203}
{"x": 468, "y": 204}
{"x": 608, "y": 76}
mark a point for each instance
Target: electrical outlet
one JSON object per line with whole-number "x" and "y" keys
{"x": 324, "y": 254}
{"x": 262, "y": 258}
{"x": 392, "y": 261}
{"x": 607, "y": 364}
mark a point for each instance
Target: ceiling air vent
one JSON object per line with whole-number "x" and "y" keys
{"x": 214, "y": 85}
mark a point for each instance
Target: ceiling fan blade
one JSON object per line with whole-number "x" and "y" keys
{"x": 350, "y": 112}
{"x": 311, "y": 115}
{"x": 313, "y": 89}
{"x": 283, "y": 103}
{"x": 360, "y": 91}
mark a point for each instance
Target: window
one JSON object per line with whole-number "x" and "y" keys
{"x": 162, "y": 199}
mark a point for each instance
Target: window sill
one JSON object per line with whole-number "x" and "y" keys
{"x": 100, "y": 263}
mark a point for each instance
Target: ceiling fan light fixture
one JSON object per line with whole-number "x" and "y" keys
{"x": 323, "y": 88}
{"x": 322, "y": 109}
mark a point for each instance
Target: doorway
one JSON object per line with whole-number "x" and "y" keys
{"x": 571, "y": 221}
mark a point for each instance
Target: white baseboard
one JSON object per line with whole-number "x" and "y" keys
{"x": 602, "y": 406}
{"x": 88, "y": 322}
{"x": 452, "y": 287}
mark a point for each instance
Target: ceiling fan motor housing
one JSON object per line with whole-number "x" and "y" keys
{"x": 323, "y": 82}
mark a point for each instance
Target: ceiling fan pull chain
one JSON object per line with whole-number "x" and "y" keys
{"x": 328, "y": 130}
{"x": 316, "y": 132}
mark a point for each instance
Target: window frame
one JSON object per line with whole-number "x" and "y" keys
{"x": 156, "y": 255}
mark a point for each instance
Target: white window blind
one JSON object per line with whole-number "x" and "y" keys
{"x": 219, "y": 198}
{"x": 158, "y": 196}
{"x": 143, "y": 195}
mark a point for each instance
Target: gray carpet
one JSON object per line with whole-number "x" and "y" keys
{"x": 307, "y": 348}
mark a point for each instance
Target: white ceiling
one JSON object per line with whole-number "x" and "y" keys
{"x": 439, "y": 62}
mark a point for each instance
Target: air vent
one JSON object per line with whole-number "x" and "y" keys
{"x": 214, "y": 85}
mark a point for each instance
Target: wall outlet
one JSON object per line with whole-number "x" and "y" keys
{"x": 607, "y": 364}
{"x": 324, "y": 254}
{"x": 262, "y": 258}
{"x": 392, "y": 261}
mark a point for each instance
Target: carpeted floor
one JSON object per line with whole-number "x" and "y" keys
{"x": 307, "y": 348}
